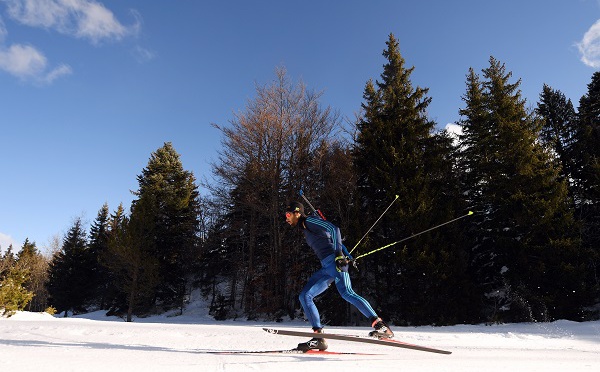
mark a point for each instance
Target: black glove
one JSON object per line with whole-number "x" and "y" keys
{"x": 341, "y": 262}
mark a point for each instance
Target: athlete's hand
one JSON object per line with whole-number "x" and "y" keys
{"x": 341, "y": 262}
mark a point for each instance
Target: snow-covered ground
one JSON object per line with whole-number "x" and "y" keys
{"x": 40, "y": 342}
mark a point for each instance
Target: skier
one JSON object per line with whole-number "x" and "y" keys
{"x": 325, "y": 240}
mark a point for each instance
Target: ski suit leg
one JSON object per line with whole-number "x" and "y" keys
{"x": 316, "y": 285}
{"x": 344, "y": 287}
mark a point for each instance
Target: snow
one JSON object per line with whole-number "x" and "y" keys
{"x": 94, "y": 342}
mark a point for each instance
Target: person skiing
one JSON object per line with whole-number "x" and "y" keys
{"x": 326, "y": 241}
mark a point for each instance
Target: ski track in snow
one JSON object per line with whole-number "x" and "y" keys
{"x": 93, "y": 342}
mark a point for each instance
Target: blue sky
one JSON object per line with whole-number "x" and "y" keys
{"x": 89, "y": 89}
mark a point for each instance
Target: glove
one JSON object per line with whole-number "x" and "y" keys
{"x": 341, "y": 262}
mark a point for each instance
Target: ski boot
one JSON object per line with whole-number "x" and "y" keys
{"x": 381, "y": 329}
{"x": 314, "y": 343}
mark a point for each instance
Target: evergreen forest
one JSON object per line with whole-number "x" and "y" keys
{"x": 528, "y": 171}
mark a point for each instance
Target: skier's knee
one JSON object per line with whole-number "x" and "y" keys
{"x": 304, "y": 298}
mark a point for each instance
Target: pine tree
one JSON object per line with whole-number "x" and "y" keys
{"x": 7, "y": 261}
{"x": 112, "y": 265}
{"x": 586, "y": 150}
{"x": 13, "y": 294}
{"x": 98, "y": 245}
{"x": 559, "y": 120}
{"x": 585, "y": 155}
{"x": 27, "y": 250}
{"x": 70, "y": 269}
{"x": 175, "y": 221}
{"x": 478, "y": 148}
{"x": 131, "y": 258}
{"x": 397, "y": 153}
{"x": 521, "y": 241}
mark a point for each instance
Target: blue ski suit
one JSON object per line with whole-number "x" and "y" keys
{"x": 326, "y": 241}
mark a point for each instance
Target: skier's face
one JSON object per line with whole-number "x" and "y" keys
{"x": 292, "y": 218}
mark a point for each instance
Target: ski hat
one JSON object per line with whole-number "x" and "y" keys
{"x": 295, "y": 207}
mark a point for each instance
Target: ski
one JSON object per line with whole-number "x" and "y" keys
{"x": 369, "y": 340}
{"x": 288, "y": 351}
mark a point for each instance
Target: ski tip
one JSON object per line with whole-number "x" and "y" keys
{"x": 470, "y": 213}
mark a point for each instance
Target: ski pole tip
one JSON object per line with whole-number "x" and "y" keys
{"x": 397, "y": 196}
{"x": 470, "y": 213}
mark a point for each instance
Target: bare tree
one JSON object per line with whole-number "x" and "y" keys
{"x": 270, "y": 151}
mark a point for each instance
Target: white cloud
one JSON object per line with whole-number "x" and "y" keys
{"x": 143, "y": 55}
{"x": 86, "y": 19}
{"x": 22, "y": 60}
{"x": 97, "y": 23}
{"x": 589, "y": 46}
{"x": 56, "y": 73}
{"x": 3, "y": 31}
{"x": 28, "y": 63}
{"x": 453, "y": 129}
{"x": 6, "y": 241}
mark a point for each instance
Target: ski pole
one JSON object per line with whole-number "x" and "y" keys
{"x": 370, "y": 228}
{"x": 412, "y": 236}
{"x": 310, "y": 205}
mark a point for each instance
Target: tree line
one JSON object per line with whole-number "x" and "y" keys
{"x": 529, "y": 252}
